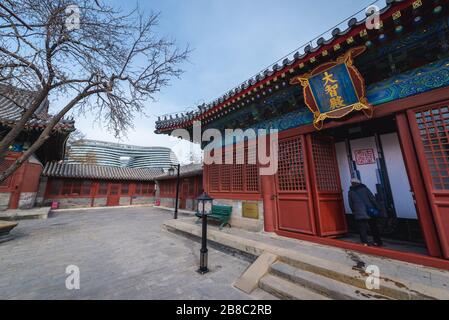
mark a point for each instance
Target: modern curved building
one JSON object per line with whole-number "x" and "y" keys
{"x": 120, "y": 155}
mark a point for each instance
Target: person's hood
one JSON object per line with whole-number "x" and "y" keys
{"x": 357, "y": 187}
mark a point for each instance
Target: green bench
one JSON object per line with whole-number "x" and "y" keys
{"x": 221, "y": 214}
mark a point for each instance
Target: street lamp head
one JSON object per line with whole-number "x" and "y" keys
{"x": 205, "y": 203}
{"x": 171, "y": 171}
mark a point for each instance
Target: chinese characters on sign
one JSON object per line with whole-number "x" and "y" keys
{"x": 331, "y": 87}
{"x": 364, "y": 157}
{"x": 335, "y": 89}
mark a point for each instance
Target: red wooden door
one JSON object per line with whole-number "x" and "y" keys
{"x": 294, "y": 204}
{"x": 430, "y": 131}
{"x": 326, "y": 186}
{"x": 114, "y": 195}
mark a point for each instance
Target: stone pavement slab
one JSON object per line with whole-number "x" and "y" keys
{"x": 121, "y": 253}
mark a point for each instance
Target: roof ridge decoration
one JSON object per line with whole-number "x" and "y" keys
{"x": 245, "y": 92}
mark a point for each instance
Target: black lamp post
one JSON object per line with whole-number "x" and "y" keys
{"x": 171, "y": 171}
{"x": 204, "y": 208}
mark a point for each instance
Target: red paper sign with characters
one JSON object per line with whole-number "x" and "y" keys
{"x": 365, "y": 157}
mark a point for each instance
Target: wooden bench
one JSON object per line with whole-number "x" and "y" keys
{"x": 221, "y": 214}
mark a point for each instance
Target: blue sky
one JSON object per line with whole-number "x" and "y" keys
{"x": 231, "y": 40}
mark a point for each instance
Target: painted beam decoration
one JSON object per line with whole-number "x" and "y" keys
{"x": 335, "y": 89}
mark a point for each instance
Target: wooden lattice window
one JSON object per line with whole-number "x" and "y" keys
{"x": 225, "y": 177}
{"x": 214, "y": 177}
{"x": 125, "y": 189}
{"x": 103, "y": 188}
{"x": 55, "y": 187}
{"x": 242, "y": 176}
{"x": 86, "y": 188}
{"x": 326, "y": 167}
{"x": 291, "y": 172}
{"x": 173, "y": 185}
{"x": 191, "y": 187}
{"x": 433, "y": 125}
{"x": 237, "y": 173}
{"x": 251, "y": 170}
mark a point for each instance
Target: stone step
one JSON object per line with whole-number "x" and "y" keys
{"x": 5, "y": 228}
{"x": 30, "y": 214}
{"x": 322, "y": 285}
{"x": 399, "y": 280}
{"x": 286, "y": 290}
{"x": 262, "y": 295}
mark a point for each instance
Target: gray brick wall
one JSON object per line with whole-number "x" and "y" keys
{"x": 125, "y": 201}
{"x": 191, "y": 204}
{"x": 27, "y": 200}
{"x": 100, "y": 202}
{"x": 4, "y": 200}
{"x": 40, "y": 197}
{"x": 67, "y": 203}
{"x": 237, "y": 219}
{"x": 168, "y": 202}
{"x": 143, "y": 200}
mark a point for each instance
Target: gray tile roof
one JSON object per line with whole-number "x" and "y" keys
{"x": 14, "y": 102}
{"x": 86, "y": 171}
{"x": 186, "y": 171}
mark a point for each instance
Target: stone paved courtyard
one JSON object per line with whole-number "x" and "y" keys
{"x": 121, "y": 253}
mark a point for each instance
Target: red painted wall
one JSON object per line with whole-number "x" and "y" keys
{"x": 25, "y": 179}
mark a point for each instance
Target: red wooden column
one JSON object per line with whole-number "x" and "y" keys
{"x": 268, "y": 196}
{"x": 417, "y": 183}
{"x": 94, "y": 192}
{"x": 429, "y": 129}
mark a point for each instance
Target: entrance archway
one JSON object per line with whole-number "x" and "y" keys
{"x": 314, "y": 174}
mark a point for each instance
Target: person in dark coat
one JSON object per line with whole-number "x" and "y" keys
{"x": 360, "y": 197}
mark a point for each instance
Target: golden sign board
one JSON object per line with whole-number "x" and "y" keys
{"x": 251, "y": 210}
{"x": 335, "y": 89}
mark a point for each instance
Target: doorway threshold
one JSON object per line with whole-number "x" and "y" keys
{"x": 395, "y": 245}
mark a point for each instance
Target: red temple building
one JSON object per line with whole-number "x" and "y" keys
{"x": 84, "y": 185}
{"x": 46, "y": 180}
{"x": 190, "y": 187}
{"x": 361, "y": 103}
{"x": 20, "y": 190}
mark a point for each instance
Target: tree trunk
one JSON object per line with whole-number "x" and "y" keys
{"x": 45, "y": 135}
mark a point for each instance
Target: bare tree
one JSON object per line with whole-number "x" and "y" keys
{"x": 75, "y": 136}
{"x": 107, "y": 66}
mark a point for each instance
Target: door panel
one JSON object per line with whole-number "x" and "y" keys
{"x": 430, "y": 130}
{"x": 294, "y": 205}
{"x": 401, "y": 190}
{"x": 114, "y": 195}
{"x": 329, "y": 205}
